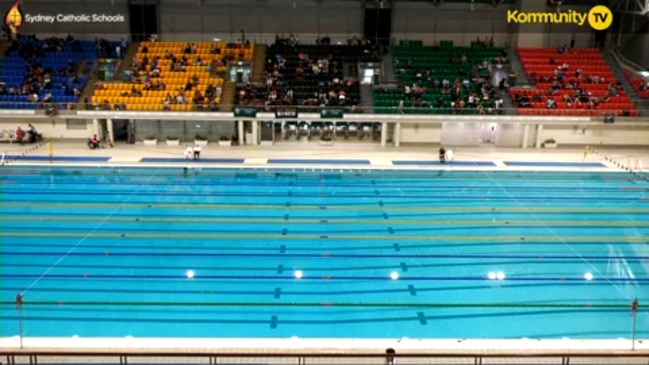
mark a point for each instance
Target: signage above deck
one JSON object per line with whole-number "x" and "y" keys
{"x": 332, "y": 113}
{"x": 245, "y": 112}
{"x": 286, "y": 113}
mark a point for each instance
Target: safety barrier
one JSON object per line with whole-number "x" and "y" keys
{"x": 636, "y": 170}
{"x": 281, "y": 357}
{"x": 5, "y": 160}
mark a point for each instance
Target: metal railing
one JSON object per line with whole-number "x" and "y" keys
{"x": 195, "y": 356}
{"x": 63, "y": 108}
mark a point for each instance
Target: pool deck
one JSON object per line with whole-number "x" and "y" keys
{"x": 341, "y": 156}
{"x": 344, "y": 155}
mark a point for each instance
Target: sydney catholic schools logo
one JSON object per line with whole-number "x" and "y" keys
{"x": 14, "y": 18}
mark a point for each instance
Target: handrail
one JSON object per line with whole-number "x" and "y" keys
{"x": 623, "y": 61}
{"x": 285, "y": 353}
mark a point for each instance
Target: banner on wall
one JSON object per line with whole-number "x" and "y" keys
{"x": 16, "y": 17}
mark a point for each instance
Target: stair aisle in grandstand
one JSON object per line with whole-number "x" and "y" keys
{"x": 643, "y": 107}
{"x": 518, "y": 69}
{"x": 387, "y": 68}
{"x": 508, "y": 103}
{"x": 127, "y": 61}
{"x": 367, "y": 98}
{"x": 258, "y": 63}
{"x": 227, "y": 96}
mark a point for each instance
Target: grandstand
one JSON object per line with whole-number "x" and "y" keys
{"x": 442, "y": 78}
{"x": 573, "y": 82}
{"x": 38, "y": 71}
{"x": 310, "y": 75}
{"x": 175, "y": 76}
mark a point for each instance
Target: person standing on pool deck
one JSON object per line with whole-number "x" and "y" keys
{"x": 197, "y": 152}
{"x": 389, "y": 357}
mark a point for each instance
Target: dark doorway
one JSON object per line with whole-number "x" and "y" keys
{"x": 378, "y": 23}
{"x": 143, "y": 19}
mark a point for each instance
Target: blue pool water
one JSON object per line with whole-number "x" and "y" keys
{"x": 106, "y": 252}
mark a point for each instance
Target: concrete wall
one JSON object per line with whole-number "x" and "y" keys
{"x": 597, "y": 135}
{"x": 632, "y": 36}
{"x": 53, "y": 129}
{"x": 261, "y": 21}
{"x": 421, "y": 133}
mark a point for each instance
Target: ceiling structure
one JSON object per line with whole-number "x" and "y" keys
{"x": 638, "y": 7}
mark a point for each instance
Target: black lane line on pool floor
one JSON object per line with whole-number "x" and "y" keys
{"x": 273, "y": 322}
{"x": 278, "y": 293}
{"x": 397, "y": 247}
{"x": 280, "y": 269}
{"x": 282, "y": 249}
{"x": 422, "y": 318}
{"x": 412, "y": 290}
{"x": 404, "y": 267}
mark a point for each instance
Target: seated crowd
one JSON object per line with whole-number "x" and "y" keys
{"x": 443, "y": 78}
{"x": 570, "y": 81}
{"x": 309, "y": 75}
{"x": 172, "y": 76}
{"x": 37, "y": 73}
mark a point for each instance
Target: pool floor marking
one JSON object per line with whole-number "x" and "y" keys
{"x": 282, "y": 249}
{"x": 638, "y": 281}
{"x": 411, "y": 289}
{"x": 284, "y": 232}
{"x": 404, "y": 267}
{"x": 278, "y": 293}
{"x": 273, "y": 322}
{"x": 332, "y": 207}
{"x": 397, "y": 247}
{"x": 337, "y": 221}
{"x": 422, "y": 318}
{"x": 480, "y": 238}
{"x": 280, "y": 269}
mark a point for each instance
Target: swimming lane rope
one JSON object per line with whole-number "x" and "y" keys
{"x": 584, "y": 306}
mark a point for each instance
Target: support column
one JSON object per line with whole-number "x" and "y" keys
{"x": 397, "y": 135}
{"x": 240, "y": 132}
{"x": 539, "y": 132}
{"x": 255, "y": 138}
{"x": 526, "y": 133}
{"x": 384, "y": 134}
{"x": 95, "y": 127}
{"x": 110, "y": 127}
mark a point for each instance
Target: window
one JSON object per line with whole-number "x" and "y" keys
{"x": 76, "y": 124}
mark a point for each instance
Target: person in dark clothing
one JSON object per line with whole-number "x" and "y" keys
{"x": 442, "y": 155}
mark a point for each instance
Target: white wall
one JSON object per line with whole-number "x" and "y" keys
{"x": 510, "y": 135}
{"x": 609, "y": 134}
{"x": 49, "y": 128}
{"x": 461, "y": 134}
{"x": 421, "y": 133}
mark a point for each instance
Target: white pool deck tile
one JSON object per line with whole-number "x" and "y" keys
{"x": 380, "y": 158}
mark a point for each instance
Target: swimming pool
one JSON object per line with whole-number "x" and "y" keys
{"x": 148, "y": 252}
